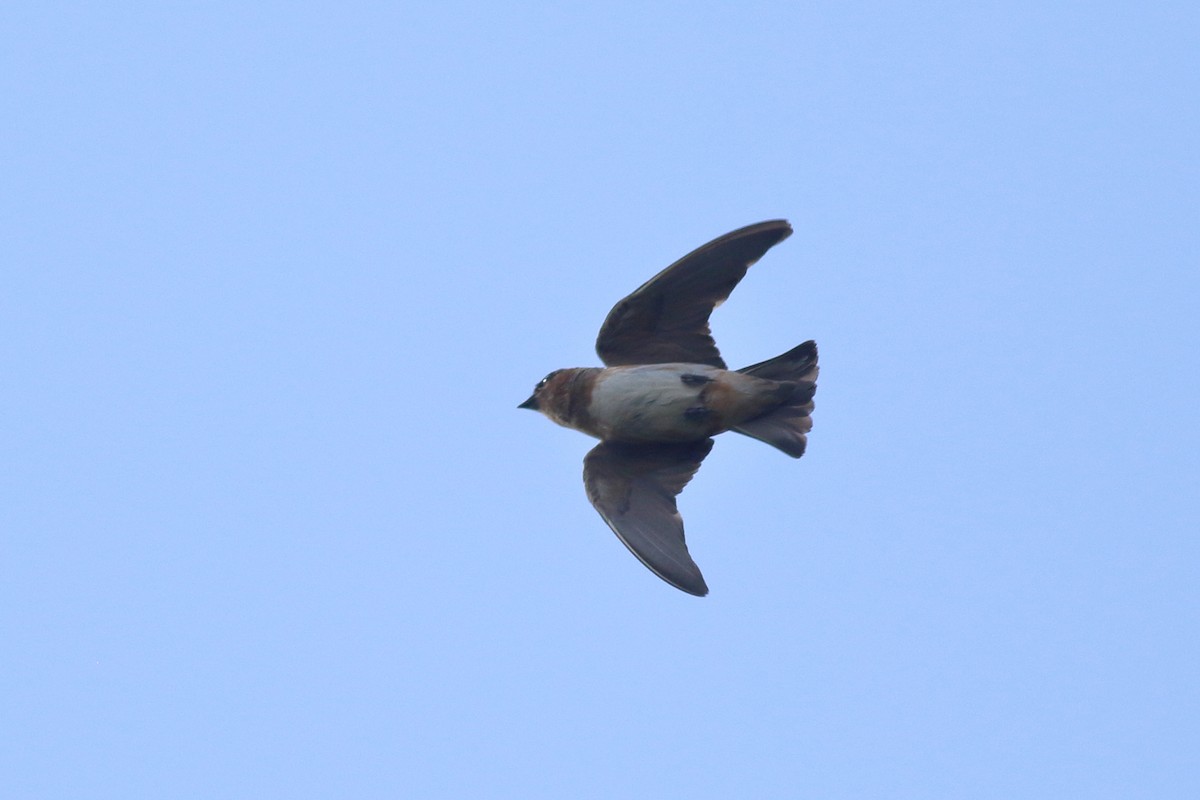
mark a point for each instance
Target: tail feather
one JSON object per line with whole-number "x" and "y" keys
{"x": 787, "y": 425}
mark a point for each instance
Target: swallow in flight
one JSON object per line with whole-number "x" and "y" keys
{"x": 665, "y": 391}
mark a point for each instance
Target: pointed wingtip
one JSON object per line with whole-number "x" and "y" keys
{"x": 781, "y": 225}
{"x": 685, "y": 577}
{"x": 693, "y": 583}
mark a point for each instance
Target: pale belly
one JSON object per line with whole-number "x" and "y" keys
{"x": 670, "y": 402}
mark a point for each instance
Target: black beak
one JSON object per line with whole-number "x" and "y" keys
{"x": 531, "y": 403}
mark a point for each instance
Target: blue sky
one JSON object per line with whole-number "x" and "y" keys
{"x": 278, "y": 274}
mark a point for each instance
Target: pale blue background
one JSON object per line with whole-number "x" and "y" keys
{"x": 276, "y": 275}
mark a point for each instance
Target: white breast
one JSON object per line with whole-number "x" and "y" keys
{"x": 647, "y": 403}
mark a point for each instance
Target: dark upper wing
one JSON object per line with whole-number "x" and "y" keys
{"x": 666, "y": 320}
{"x": 634, "y": 487}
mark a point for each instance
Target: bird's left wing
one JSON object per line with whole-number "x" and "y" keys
{"x": 666, "y": 319}
{"x": 633, "y": 486}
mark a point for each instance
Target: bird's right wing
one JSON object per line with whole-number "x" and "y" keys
{"x": 633, "y": 486}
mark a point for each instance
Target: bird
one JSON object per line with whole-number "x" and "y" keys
{"x": 665, "y": 391}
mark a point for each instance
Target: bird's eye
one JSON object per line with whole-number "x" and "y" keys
{"x": 542, "y": 383}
